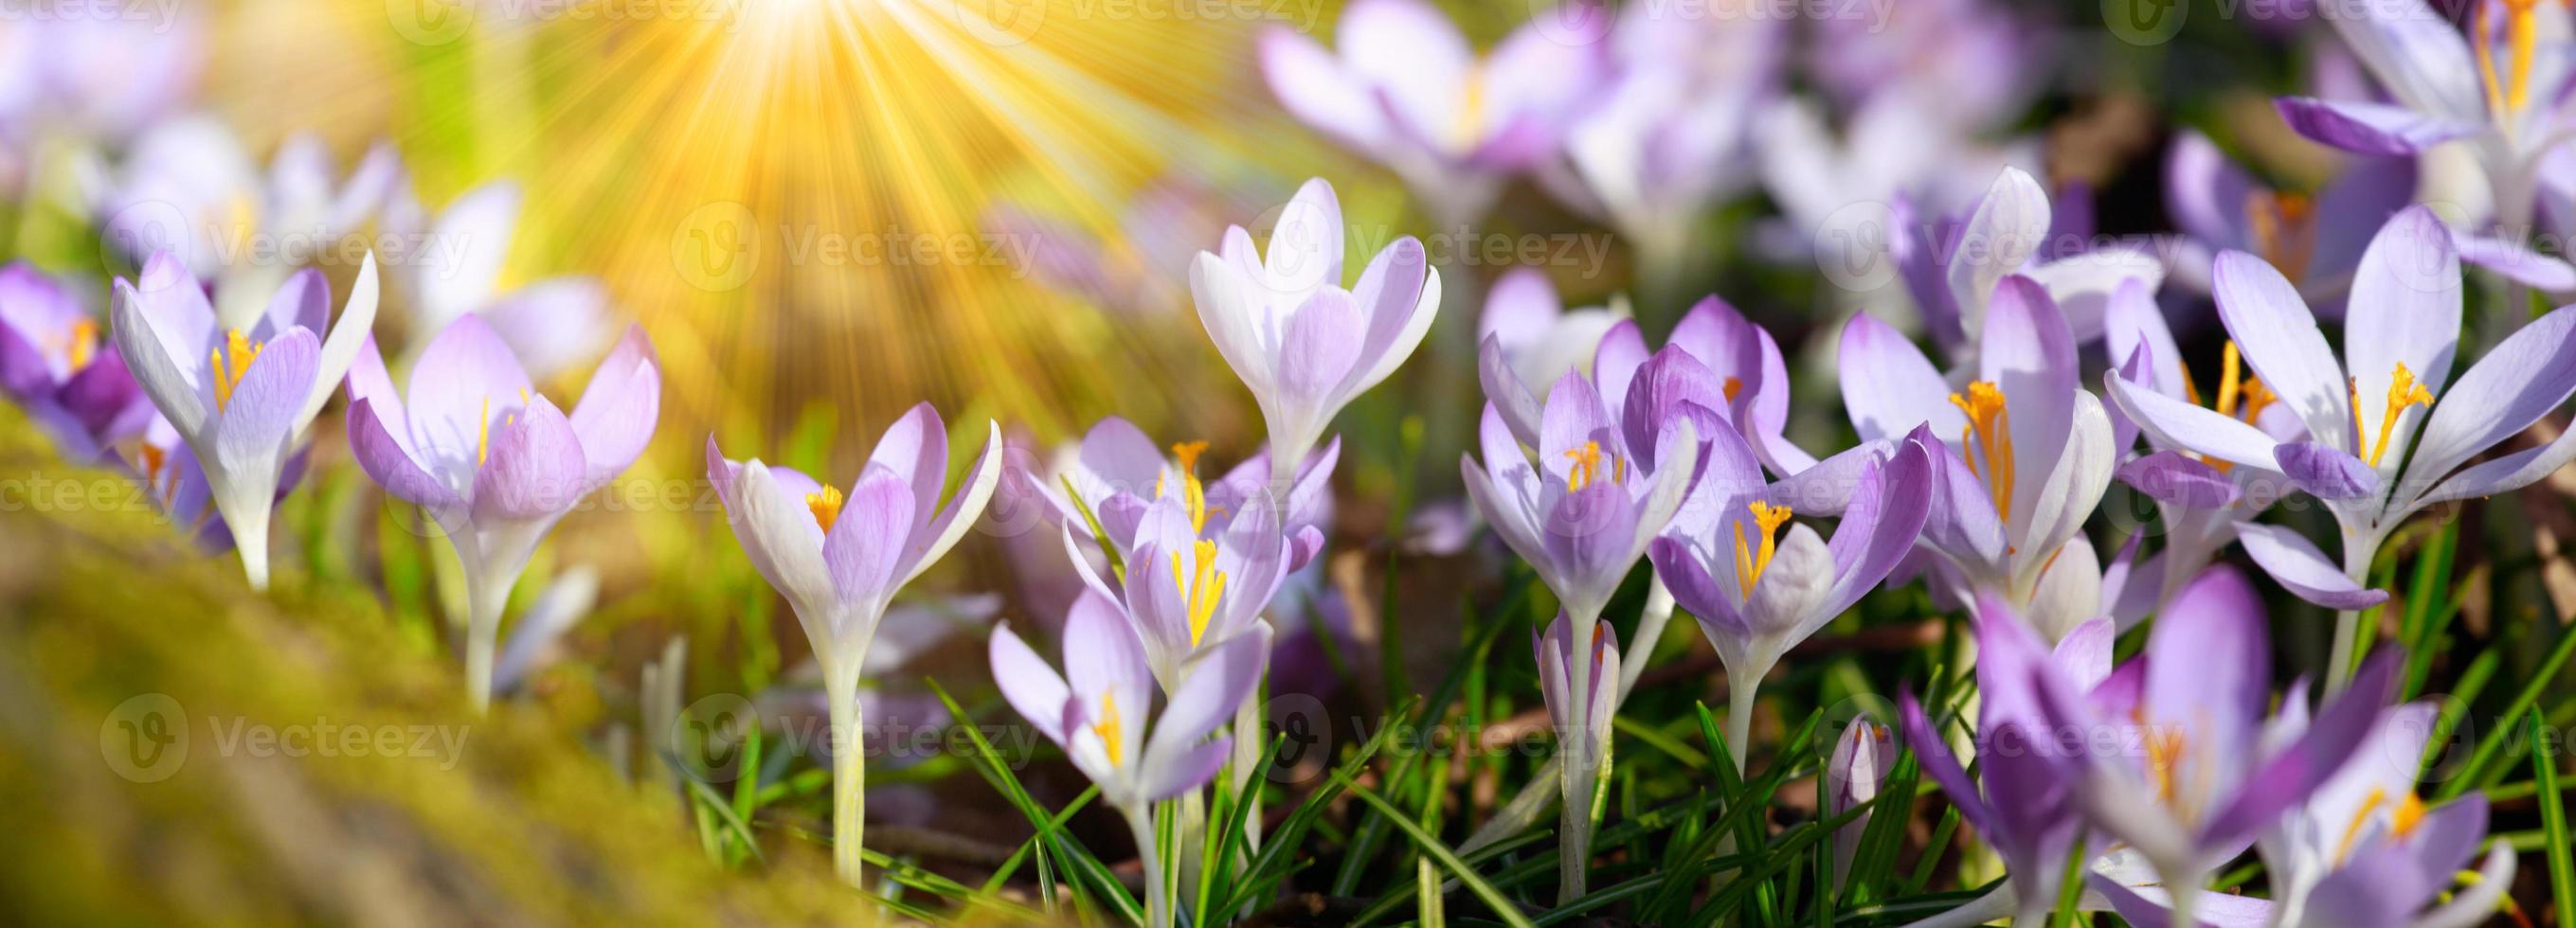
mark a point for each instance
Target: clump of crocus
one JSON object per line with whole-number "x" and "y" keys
{"x": 839, "y": 558}
{"x": 2204, "y": 774}
{"x": 493, "y": 462}
{"x": 241, "y": 398}
{"x": 52, "y": 365}
{"x": 2387, "y": 432}
{"x": 1099, "y": 710}
{"x": 1304, "y": 345}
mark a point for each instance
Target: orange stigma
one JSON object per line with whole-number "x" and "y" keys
{"x": 241, "y": 351}
{"x": 825, "y": 504}
{"x": 1990, "y": 429}
{"x": 2403, "y": 391}
{"x": 1749, "y": 564}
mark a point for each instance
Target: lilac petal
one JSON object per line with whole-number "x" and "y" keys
{"x": 2510, "y": 472}
{"x": 25, "y": 370}
{"x": 2206, "y": 193}
{"x": 2177, "y": 424}
{"x": 1616, "y": 360}
{"x": 1963, "y": 524}
{"x": 2326, "y": 472}
{"x": 175, "y": 303}
{"x": 2084, "y": 655}
{"x": 1102, "y": 655}
{"x": 2368, "y": 128}
{"x": 553, "y": 324}
{"x": 932, "y": 540}
{"x": 1208, "y": 695}
{"x": 1314, "y": 87}
{"x": 1400, "y": 293}
{"x": 915, "y": 450}
{"x": 255, "y": 425}
{"x": 2003, "y": 233}
{"x": 1504, "y": 389}
{"x": 1320, "y": 346}
{"x": 369, "y": 382}
{"x": 2173, "y": 477}
{"x": 535, "y": 469}
{"x": 1933, "y": 754}
{"x": 2029, "y": 353}
{"x": 1117, "y": 452}
{"x": 2133, "y": 322}
{"x": 1590, "y": 534}
{"x": 340, "y": 346}
{"x": 2405, "y": 309}
{"x": 2516, "y": 262}
{"x": 1825, "y": 487}
{"x": 1235, "y": 315}
{"x": 1306, "y": 243}
{"x": 2515, "y": 384}
{"x": 2135, "y": 906}
{"x": 2351, "y": 210}
{"x": 1507, "y": 510}
{"x": 459, "y": 387}
{"x": 1886, "y": 517}
{"x": 171, "y": 382}
{"x": 2281, "y": 342}
{"x": 1696, "y": 589}
{"x": 1889, "y": 387}
{"x": 1194, "y": 767}
{"x": 1574, "y": 417}
{"x": 864, "y": 548}
{"x": 105, "y": 399}
{"x": 303, "y": 302}
{"x": 2290, "y": 776}
{"x": 1519, "y": 309}
{"x": 2083, "y": 285}
{"x": 1670, "y": 382}
{"x": 1028, "y": 684}
{"x": 2411, "y": 48}
{"x": 381, "y": 455}
{"x": 2209, "y": 669}
{"x": 618, "y": 409}
{"x": 2297, "y": 565}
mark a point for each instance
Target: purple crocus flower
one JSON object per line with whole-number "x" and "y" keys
{"x": 2495, "y": 89}
{"x": 98, "y": 77}
{"x": 492, "y": 462}
{"x": 1584, "y": 512}
{"x": 2029, "y": 452}
{"x": 190, "y": 188}
{"x": 1406, "y": 90}
{"x": 2363, "y": 850}
{"x": 1757, "y": 592}
{"x": 1672, "y": 132}
{"x": 240, "y": 397}
{"x": 1582, "y": 695}
{"x": 2314, "y": 238}
{"x": 1189, "y": 589}
{"x": 1098, "y": 712}
{"x": 2014, "y": 231}
{"x": 1839, "y": 193}
{"x": 1862, "y": 757}
{"x": 1980, "y": 55}
{"x": 2024, "y": 802}
{"x": 839, "y": 559}
{"x": 1117, "y": 473}
{"x": 2200, "y": 780}
{"x": 1134, "y": 270}
{"x": 51, "y": 365}
{"x": 2362, "y": 452}
{"x": 1537, "y": 338}
{"x": 1304, "y": 345}
{"x": 550, "y": 324}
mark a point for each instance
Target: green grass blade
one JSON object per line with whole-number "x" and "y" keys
{"x": 2553, "y": 820}
{"x": 1430, "y": 845}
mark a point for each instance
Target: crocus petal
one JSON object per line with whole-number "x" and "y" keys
{"x": 252, "y": 430}
{"x": 2516, "y": 383}
{"x": 2281, "y": 342}
{"x": 2328, "y": 473}
{"x": 166, "y": 380}
{"x": 2478, "y": 903}
{"x": 1208, "y": 695}
{"x": 1825, "y": 488}
{"x": 2133, "y": 321}
{"x": 1399, "y": 291}
{"x": 380, "y": 453}
{"x": 1664, "y": 388}
{"x": 2368, "y": 128}
{"x": 915, "y": 450}
{"x": 1886, "y": 517}
{"x": 1319, "y": 347}
{"x": 304, "y": 301}
{"x": 2405, "y": 309}
{"x": 1228, "y": 309}
{"x": 1305, "y": 250}
{"x": 1184, "y": 770}
{"x": 1615, "y": 361}
{"x": 2007, "y": 228}
{"x": 1933, "y": 754}
{"x": 356, "y": 323}
{"x": 535, "y": 469}
{"x": 2074, "y": 487}
{"x": 933, "y": 540}
{"x": 865, "y": 546}
{"x": 1314, "y": 87}
{"x": 460, "y": 387}
{"x": 176, "y": 304}
{"x": 2177, "y": 478}
{"x": 1032, "y": 687}
{"x": 370, "y": 383}
{"x": 2028, "y": 352}
{"x": 2083, "y": 285}
{"x": 2516, "y": 262}
{"x": 2205, "y": 192}
{"x": 2209, "y": 674}
{"x": 1889, "y": 387}
{"x": 1504, "y": 389}
{"x": 2173, "y": 423}
{"x": 617, "y": 410}
{"x": 2510, "y": 472}
{"x": 553, "y": 324}
{"x": 2297, "y": 565}
{"x": 2287, "y": 777}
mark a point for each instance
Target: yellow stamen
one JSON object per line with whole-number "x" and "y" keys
{"x": 2164, "y": 757}
{"x": 1201, "y": 585}
{"x": 1734, "y": 385}
{"x": 1748, "y": 564}
{"x": 2522, "y": 33}
{"x": 1587, "y": 467}
{"x": 825, "y": 504}
{"x": 1470, "y": 123}
{"x": 2229, "y": 382}
{"x": 2403, "y": 391}
{"x": 241, "y": 351}
{"x": 1109, "y": 728}
{"x": 1990, "y": 427}
{"x": 1193, "y": 493}
{"x": 82, "y": 345}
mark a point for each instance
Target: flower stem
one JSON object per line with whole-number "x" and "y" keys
{"x": 2357, "y": 555}
{"x": 250, "y": 539}
{"x": 1575, "y": 745}
{"x": 1249, "y": 746}
{"x": 1741, "y": 688}
{"x": 849, "y": 781}
{"x": 485, "y": 598}
{"x": 1158, "y": 905}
